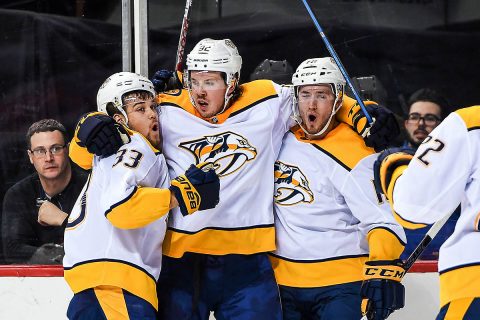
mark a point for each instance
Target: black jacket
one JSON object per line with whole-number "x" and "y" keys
{"x": 21, "y": 233}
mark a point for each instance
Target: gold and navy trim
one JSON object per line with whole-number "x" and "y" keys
{"x": 83, "y": 203}
{"x": 459, "y": 282}
{"x": 234, "y": 113}
{"x": 260, "y": 226}
{"x": 112, "y": 272}
{"x": 318, "y": 273}
{"x": 240, "y": 240}
{"x": 111, "y": 260}
{"x": 319, "y": 260}
{"x": 113, "y": 206}
{"x": 390, "y": 231}
{"x": 332, "y": 157}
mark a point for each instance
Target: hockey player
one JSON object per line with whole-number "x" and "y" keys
{"x": 443, "y": 173}
{"x": 115, "y": 232}
{"x": 333, "y": 232}
{"x": 217, "y": 261}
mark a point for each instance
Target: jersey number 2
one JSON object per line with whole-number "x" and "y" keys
{"x": 438, "y": 148}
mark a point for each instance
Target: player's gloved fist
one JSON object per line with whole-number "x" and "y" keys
{"x": 386, "y": 164}
{"x": 197, "y": 189}
{"x": 100, "y": 134}
{"x": 165, "y": 80}
{"x": 382, "y": 132}
{"x": 381, "y": 291}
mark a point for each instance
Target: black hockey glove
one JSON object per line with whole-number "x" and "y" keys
{"x": 165, "y": 80}
{"x": 382, "y": 132}
{"x": 386, "y": 163}
{"x": 381, "y": 291}
{"x": 196, "y": 190}
{"x": 100, "y": 134}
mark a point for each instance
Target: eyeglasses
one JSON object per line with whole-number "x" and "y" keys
{"x": 42, "y": 152}
{"x": 429, "y": 119}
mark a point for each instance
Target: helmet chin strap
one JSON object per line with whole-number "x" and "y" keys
{"x": 227, "y": 95}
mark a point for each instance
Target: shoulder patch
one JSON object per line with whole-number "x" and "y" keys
{"x": 471, "y": 117}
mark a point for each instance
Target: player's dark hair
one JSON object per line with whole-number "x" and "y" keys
{"x": 141, "y": 94}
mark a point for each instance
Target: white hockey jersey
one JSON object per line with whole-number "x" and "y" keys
{"x": 242, "y": 143}
{"x": 445, "y": 172}
{"x": 115, "y": 231}
{"x": 328, "y": 218}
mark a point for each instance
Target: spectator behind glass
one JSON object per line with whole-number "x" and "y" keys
{"x": 51, "y": 191}
{"x": 426, "y": 108}
{"x": 425, "y": 113}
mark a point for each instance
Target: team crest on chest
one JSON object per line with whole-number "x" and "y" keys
{"x": 291, "y": 185}
{"x": 226, "y": 152}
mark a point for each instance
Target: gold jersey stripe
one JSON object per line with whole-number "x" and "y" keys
{"x": 220, "y": 242}
{"x": 113, "y": 273}
{"x": 459, "y": 283}
{"x": 318, "y": 274}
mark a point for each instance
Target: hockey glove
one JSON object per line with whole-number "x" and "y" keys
{"x": 196, "y": 190}
{"x": 381, "y": 291}
{"x": 382, "y": 132}
{"x": 100, "y": 134}
{"x": 385, "y": 165}
{"x": 165, "y": 80}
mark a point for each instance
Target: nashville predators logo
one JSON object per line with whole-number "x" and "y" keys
{"x": 226, "y": 152}
{"x": 291, "y": 185}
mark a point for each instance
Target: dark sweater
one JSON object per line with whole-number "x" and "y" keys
{"x": 21, "y": 233}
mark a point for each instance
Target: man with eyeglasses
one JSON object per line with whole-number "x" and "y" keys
{"x": 424, "y": 115}
{"x": 50, "y": 191}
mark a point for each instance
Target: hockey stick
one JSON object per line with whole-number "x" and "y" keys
{"x": 429, "y": 236}
{"x": 183, "y": 37}
{"x": 337, "y": 60}
{"x": 432, "y": 233}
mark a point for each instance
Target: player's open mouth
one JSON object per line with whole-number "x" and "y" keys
{"x": 155, "y": 127}
{"x": 312, "y": 118}
{"x": 202, "y": 103}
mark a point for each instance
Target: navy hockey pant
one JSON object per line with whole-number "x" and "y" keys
{"x": 234, "y": 287}
{"x": 107, "y": 302}
{"x": 339, "y": 302}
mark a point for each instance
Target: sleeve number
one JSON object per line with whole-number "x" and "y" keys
{"x": 130, "y": 159}
{"x": 439, "y": 146}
